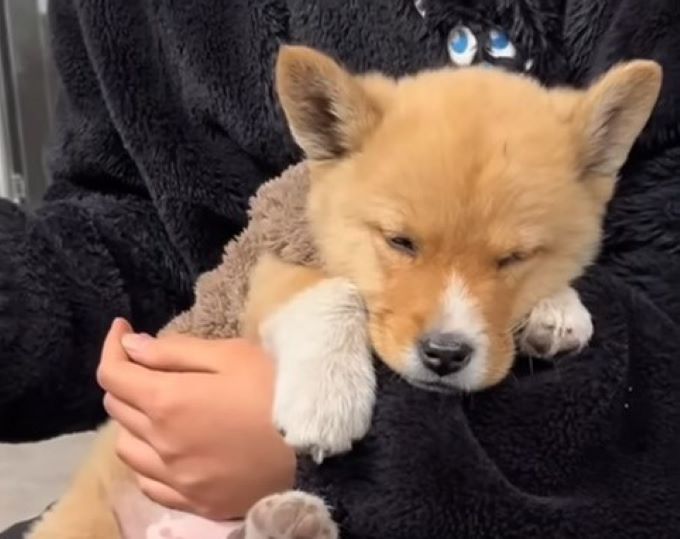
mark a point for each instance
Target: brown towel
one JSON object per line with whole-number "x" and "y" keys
{"x": 278, "y": 225}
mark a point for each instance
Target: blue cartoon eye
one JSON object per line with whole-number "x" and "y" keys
{"x": 462, "y": 46}
{"x": 500, "y": 45}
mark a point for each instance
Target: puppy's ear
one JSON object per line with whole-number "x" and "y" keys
{"x": 330, "y": 112}
{"x": 613, "y": 112}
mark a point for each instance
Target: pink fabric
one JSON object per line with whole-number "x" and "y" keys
{"x": 185, "y": 526}
{"x": 140, "y": 518}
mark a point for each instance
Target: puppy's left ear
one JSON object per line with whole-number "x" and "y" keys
{"x": 613, "y": 112}
{"x": 329, "y": 111}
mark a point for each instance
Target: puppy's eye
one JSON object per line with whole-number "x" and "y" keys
{"x": 403, "y": 244}
{"x": 511, "y": 259}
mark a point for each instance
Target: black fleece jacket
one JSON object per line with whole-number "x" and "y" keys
{"x": 167, "y": 123}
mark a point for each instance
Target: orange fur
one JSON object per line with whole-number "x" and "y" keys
{"x": 272, "y": 284}
{"x": 471, "y": 165}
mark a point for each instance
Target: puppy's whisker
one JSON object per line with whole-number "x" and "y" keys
{"x": 520, "y": 325}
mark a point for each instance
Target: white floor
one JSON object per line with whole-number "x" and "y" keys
{"x": 33, "y": 475}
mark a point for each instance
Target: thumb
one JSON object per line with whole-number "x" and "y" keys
{"x": 112, "y": 350}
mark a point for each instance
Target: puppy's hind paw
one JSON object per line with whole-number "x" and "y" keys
{"x": 291, "y": 515}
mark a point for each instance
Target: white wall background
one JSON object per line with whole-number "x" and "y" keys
{"x": 4, "y": 162}
{"x": 34, "y": 475}
{"x": 5, "y": 191}
{"x": 29, "y": 77}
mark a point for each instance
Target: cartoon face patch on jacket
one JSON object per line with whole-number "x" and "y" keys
{"x": 520, "y": 36}
{"x": 476, "y": 44}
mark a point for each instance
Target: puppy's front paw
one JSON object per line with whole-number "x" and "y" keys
{"x": 291, "y": 515}
{"x": 558, "y": 324}
{"x": 324, "y": 408}
{"x": 325, "y": 380}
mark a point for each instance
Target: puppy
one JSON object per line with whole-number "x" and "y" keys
{"x": 450, "y": 209}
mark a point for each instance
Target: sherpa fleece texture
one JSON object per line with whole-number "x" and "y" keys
{"x": 277, "y": 225}
{"x": 167, "y": 123}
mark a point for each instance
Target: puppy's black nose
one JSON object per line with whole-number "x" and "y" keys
{"x": 444, "y": 353}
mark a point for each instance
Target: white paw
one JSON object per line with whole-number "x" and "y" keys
{"x": 291, "y": 515}
{"x": 558, "y": 324}
{"x": 325, "y": 379}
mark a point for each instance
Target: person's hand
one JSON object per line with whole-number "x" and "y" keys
{"x": 196, "y": 418}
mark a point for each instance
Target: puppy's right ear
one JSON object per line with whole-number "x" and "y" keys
{"x": 613, "y": 112}
{"x": 329, "y": 112}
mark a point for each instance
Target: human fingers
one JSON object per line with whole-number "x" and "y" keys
{"x": 163, "y": 494}
{"x": 141, "y": 457}
{"x": 130, "y": 418}
{"x": 112, "y": 351}
{"x": 178, "y": 352}
{"x": 128, "y": 381}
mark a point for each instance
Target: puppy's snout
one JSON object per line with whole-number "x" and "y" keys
{"x": 444, "y": 353}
